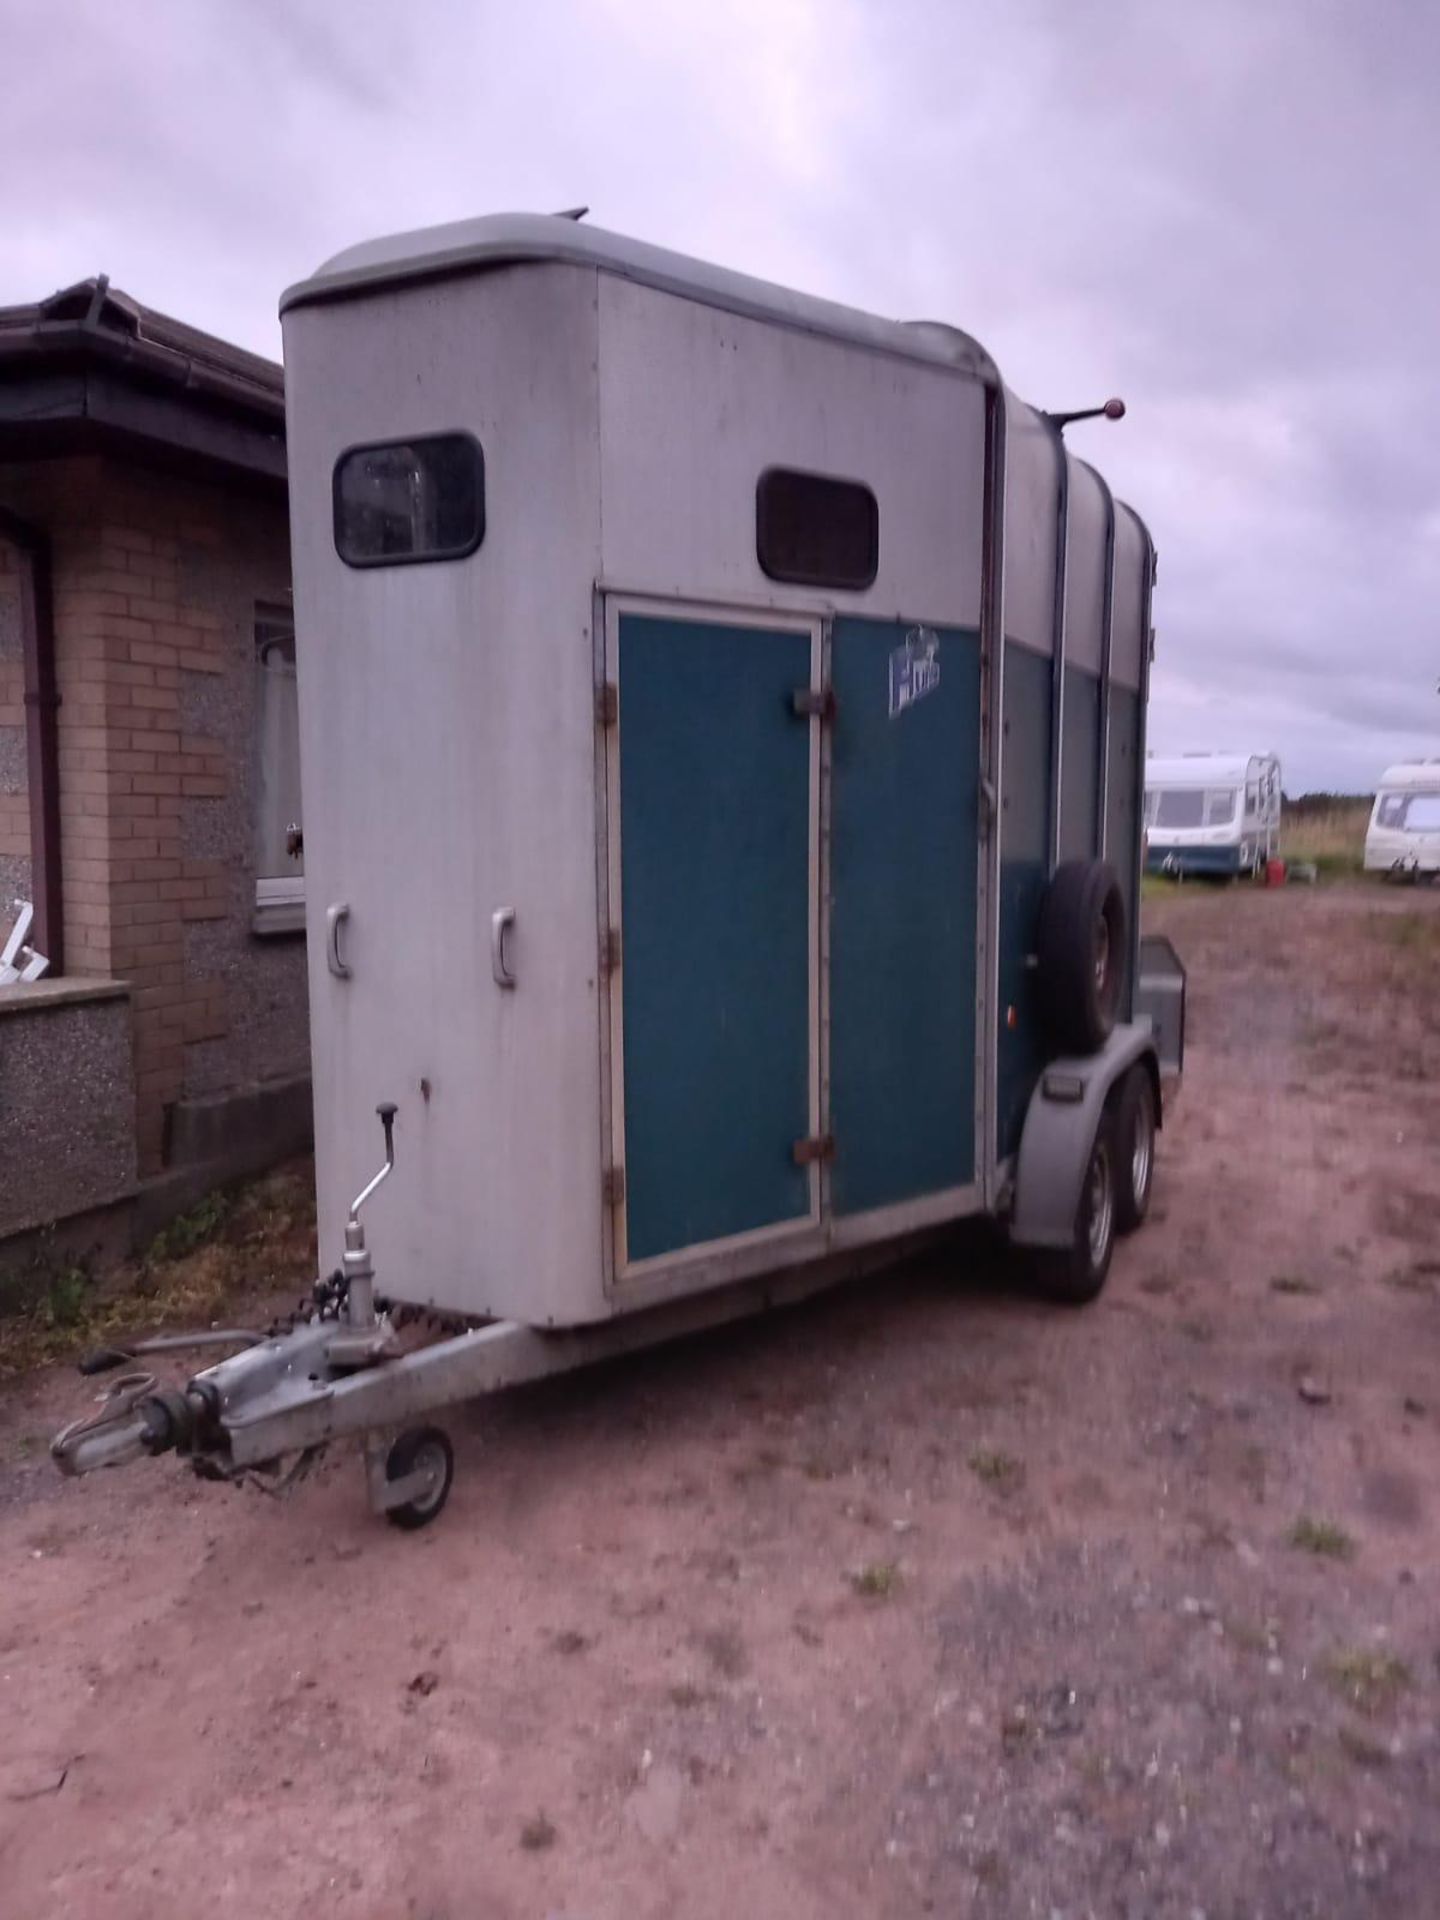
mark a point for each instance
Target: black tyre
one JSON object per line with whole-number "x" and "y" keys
{"x": 427, "y": 1450}
{"x": 1073, "y": 1276}
{"x": 1134, "y": 1148}
{"x": 1081, "y": 955}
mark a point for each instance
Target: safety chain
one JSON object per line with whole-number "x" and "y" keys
{"x": 328, "y": 1298}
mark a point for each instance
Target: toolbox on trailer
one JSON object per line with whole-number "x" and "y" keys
{"x": 722, "y": 742}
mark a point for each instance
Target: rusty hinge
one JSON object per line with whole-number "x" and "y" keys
{"x": 808, "y": 704}
{"x": 610, "y": 950}
{"x": 607, "y": 704}
{"x": 820, "y": 1146}
{"x": 612, "y": 1186}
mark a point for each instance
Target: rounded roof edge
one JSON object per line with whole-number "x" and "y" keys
{"x": 512, "y": 239}
{"x": 1412, "y": 774}
{"x": 1200, "y": 769}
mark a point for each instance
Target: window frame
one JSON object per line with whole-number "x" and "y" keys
{"x": 809, "y": 578}
{"x": 279, "y": 903}
{"x": 432, "y": 556}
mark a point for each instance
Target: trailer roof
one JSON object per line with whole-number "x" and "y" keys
{"x": 1411, "y": 774}
{"x": 510, "y": 239}
{"x": 1200, "y": 769}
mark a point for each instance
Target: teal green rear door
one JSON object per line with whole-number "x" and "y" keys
{"x": 903, "y": 927}
{"x": 717, "y": 881}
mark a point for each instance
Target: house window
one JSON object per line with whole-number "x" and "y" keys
{"x": 279, "y": 859}
{"x": 420, "y": 499}
{"x": 815, "y": 531}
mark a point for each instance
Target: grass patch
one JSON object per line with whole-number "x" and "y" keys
{"x": 189, "y": 1231}
{"x": 879, "y": 1581}
{"x": 1368, "y": 1677}
{"x": 1293, "y": 1283}
{"x": 1327, "y": 831}
{"x": 234, "y": 1245}
{"x": 1322, "y": 1538}
{"x": 1410, "y": 932}
{"x": 997, "y": 1469}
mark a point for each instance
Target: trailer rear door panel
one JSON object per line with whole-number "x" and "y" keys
{"x": 903, "y": 911}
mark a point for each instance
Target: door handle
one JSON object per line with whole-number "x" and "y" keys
{"x": 333, "y": 917}
{"x": 501, "y": 921}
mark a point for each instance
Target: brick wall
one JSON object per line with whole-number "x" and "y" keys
{"x": 156, "y": 584}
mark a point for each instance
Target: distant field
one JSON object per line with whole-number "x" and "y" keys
{"x": 1330, "y": 834}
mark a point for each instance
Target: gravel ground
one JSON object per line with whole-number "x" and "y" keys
{"x": 922, "y": 1598}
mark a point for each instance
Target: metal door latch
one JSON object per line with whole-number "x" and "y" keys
{"x": 812, "y": 703}
{"x": 819, "y": 1147}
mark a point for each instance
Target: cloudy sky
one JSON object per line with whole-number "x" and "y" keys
{"x": 1225, "y": 213}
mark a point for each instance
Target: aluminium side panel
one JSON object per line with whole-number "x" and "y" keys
{"x": 697, "y": 403}
{"x": 1125, "y": 770}
{"x": 448, "y": 750}
{"x": 1032, "y": 487}
{"x": 1087, "y": 546}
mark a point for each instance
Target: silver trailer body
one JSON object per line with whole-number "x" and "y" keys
{"x": 626, "y": 401}
{"x": 679, "y": 900}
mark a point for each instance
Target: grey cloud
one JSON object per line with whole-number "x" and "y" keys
{"x": 1223, "y": 212}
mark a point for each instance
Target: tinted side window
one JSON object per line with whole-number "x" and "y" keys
{"x": 815, "y": 531}
{"x": 405, "y": 500}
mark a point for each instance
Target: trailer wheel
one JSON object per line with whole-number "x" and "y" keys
{"x": 1081, "y": 954}
{"x": 1134, "y": 1149}
{"x": 421, "y": 1450}
{"x": 1074, "y": 1275}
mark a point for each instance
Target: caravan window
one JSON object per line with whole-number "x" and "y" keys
{"x": 410, "y": 500}
{"x": 1182, "y": 807}
{"x": 1410, "y": 812}
{"x": 816, "y": 532}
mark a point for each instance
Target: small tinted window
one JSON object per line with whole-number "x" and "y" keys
{"x": 410, "y": 500}
{"x": 815, "y": 531}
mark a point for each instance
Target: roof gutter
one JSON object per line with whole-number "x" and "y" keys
{"x": 42, "y": 701}
{"x": 42, "y": 339}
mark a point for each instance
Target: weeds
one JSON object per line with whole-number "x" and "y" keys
{"x": 246, "y": 1242}
{"x": 996, "y": 1469}
{"x": 188, "y": 1231}
{"x": 1368, "y": 1677}
{"x": 879, "y": 1581}
{"x": 538, "y": 1833}
{"x": 1322, "y": 1538}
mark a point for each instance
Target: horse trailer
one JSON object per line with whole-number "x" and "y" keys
{"x": 722, "y": 732}
{"x": 1403, "y": 837}
{"x": 1211, "y": 813}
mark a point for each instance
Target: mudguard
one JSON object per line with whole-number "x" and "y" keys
{"x": 1059, "y": 1132}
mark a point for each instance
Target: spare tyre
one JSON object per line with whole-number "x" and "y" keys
{"x": 1081, "y": 955}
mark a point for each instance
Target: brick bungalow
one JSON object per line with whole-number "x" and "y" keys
{"x": 149, "y": 771}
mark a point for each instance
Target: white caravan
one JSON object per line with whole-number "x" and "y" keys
{"x": 1404, "y": 833}
{"x": 1211, "y": 813}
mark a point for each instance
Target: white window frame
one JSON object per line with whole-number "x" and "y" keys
{"x": 279, "y": 898}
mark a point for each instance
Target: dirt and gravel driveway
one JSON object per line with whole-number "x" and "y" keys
{"x": 922, "y": 1598}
